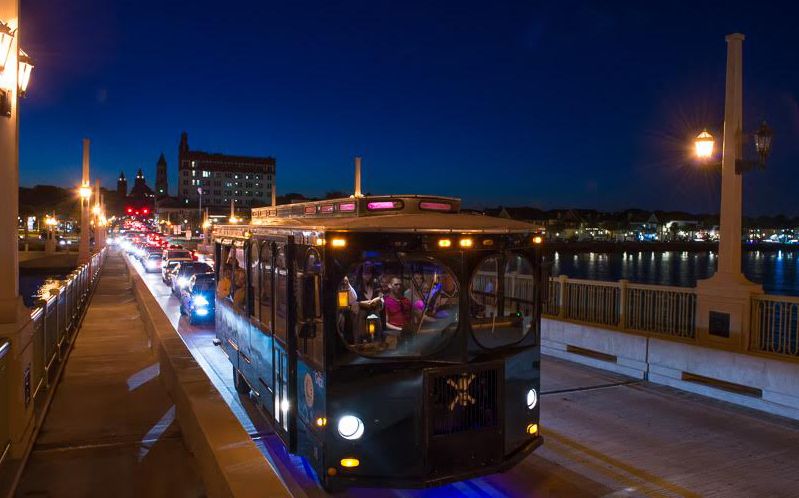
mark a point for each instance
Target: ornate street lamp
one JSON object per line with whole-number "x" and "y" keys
{"x": 24, "y": 76}
{"x": 6, "y": 37}
{"x": 85, "y": 192}
{"x": 704, "y": 143}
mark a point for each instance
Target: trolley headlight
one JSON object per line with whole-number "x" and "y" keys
{"x": 200, "y": 300}
{"x": 532, "y": 398}
{"x": 350, "y": 427}
{"x": 183, "y": 282}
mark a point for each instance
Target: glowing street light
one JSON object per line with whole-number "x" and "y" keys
{"x": 6, "y": 37}
{"x": 704, "y": 143}
{"x": 85, "y": 192}
{"x": 24, "y": 76}
{"x": 96, "y": 210}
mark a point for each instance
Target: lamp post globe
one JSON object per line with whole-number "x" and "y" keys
{"x": 703, "y": 144}
{"x": 763, "y": 137}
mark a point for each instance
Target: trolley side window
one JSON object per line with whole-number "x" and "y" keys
{"x": 281, "y": 294}
{"x": 502, "y": 300}
{"x": 224, "y": 277}
{"x": 393, "y": 306}
{"x": 309, "y": 307}
{"x": 266, "y": 286}
{"x": 254, "y": 275}
{"x": 237, "y": 266}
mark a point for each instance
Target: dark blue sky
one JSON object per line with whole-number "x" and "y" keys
{"x": 551, "y": 104}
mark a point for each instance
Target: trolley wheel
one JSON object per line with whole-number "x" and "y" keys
{"x": 239, "y": 383}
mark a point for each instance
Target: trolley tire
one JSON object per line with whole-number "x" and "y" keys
{"x": 240, "y": 383}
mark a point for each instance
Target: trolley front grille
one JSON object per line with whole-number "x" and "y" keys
{"x": 464, "y": 400}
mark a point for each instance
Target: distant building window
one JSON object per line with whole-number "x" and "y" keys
{"x": 193, "y": 164}
{"x": 206, "y": 174}
{"x": 217, "y": 192}
{"x": 185, "y": 172}
{"x": 259, "y": 194}
{"x": 216, "y": 200}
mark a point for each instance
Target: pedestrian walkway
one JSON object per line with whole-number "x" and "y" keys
{"x": 111, "y": 429}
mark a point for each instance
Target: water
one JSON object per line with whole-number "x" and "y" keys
{"x": 31, "y": 281}
{"x": 778, "y": 271}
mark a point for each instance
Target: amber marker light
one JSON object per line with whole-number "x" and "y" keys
{"x": 350, "y": 462}
{"x": 532, "y": 429}
{"x": 466, "y": 243}
{"x": 537, "y": 239}
{"x": 338, "y": 242}
{"x": 321, "y": 421}
{"x": 444, "y": 243}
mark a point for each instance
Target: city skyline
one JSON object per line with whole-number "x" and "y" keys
{"x": 566, "y": 107}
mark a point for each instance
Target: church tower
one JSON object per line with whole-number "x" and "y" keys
{"x": 161, "y": 182}
{"x": 122, "y": 185}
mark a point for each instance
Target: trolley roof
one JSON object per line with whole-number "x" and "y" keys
{"x": 384, "y": 213}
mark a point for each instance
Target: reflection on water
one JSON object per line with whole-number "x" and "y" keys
{"x": 34, "y": 285}
{"x": 778, "y": 272}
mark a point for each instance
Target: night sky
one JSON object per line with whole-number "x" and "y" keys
{"x": 549, "y": 104}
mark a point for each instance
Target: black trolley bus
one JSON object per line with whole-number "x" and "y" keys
{"x": 392, "y": 340}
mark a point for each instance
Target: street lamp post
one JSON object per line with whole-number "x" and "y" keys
{"x": 723, "y": 301}
{"x": 85, "y": 192}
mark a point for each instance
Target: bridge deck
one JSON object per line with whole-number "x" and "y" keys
{"x": 111, "y": 428}
{"x": 605, "y": 434}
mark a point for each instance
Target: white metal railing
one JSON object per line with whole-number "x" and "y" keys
{"x": 775, "y": 325}
{"x": 656, "y": 309}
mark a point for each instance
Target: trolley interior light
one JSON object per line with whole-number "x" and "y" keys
{"x": 343, "y": 299}
{"x": 350, "y": 427}
{"x": 338, "y": 242}
{"x": 346, "y": 207}
{"x": 466, "y": 243}
{"x": 444, "y": 243}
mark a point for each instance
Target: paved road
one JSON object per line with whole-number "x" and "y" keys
{"x": 605, "y": 435}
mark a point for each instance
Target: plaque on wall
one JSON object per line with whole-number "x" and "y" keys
{"x": 719, "y": 324}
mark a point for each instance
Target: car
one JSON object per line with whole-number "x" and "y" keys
{"x": 167, "y": 268}
{"x": 197, "y": 298}
{"x": 152, "y": 263}
{"x": 184, "y": 271}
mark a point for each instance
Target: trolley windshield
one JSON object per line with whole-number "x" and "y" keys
{"x": 397, "y": 306}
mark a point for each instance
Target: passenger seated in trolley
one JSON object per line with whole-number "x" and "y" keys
{"x": 377, "y": 316}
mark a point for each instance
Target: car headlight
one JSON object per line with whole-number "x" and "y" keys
{"x": 350, "y": 427}
{"x": 183, "y": 281}
{"x": 532, "y": 398}
{"x": 200, "y": 300}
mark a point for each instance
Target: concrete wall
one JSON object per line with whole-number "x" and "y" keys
{"x": 758, "y": 382}
{"x": 230, "y": 463}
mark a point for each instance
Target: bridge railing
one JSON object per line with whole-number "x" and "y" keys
{"x": 775, "y": 325}
{"x": 54, "y": 320}
{"x": 652, "y": 309}
{"x": 5, "y": 429}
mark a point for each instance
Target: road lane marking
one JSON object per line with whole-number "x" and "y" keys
{"x": 641, "y": 480}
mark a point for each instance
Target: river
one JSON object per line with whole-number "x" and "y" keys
{"x": 778, "y": 271}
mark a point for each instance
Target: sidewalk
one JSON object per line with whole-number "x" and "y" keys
{"x": 111, "y": 428}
